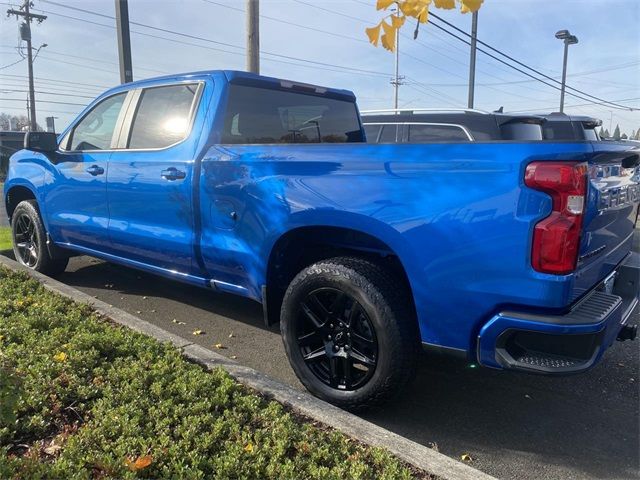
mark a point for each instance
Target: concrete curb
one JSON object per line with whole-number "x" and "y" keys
{"x": 411, "y": 452}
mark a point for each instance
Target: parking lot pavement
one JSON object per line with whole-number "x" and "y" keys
{"x": 514, "y": 426}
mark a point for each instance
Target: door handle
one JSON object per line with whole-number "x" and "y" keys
{"x": 95, "y": 170}
{"x": 173, "y": 174}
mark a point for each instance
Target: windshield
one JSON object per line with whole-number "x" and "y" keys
{"x": 260, "y": 115}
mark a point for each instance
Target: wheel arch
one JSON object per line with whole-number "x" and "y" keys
{"x": 304, "y": 245}
{"x": 17, "y": 193}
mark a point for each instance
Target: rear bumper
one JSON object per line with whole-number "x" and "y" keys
{"x": 563, "y": 344}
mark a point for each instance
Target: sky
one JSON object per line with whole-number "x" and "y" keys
{"x": 323, "y": 42}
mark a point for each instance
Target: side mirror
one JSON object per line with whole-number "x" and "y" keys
{"x": 46, "y": 142}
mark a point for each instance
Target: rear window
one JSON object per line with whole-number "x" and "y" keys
{"x": 436, "y": 133}
{"x": 262, "y": 116}
{"x": 521, "y": 131}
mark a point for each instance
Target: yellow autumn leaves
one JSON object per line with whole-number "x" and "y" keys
{"x": 385, "y": 31}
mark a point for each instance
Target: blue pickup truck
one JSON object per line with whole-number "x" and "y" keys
{"x": 513, "y": 255}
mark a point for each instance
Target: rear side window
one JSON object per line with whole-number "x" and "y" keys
{"x": 591, "y": 135}
{"x": 559, "y": 131}
{"x": 389, "y": 134}
{"x": 163, "y": 116}
{"x": 95, "y": 130}
{"x": 263, "y": 116}
{"x": 372, "y": 132}
{"x": 436, "y": 133}
{"x": 521, "y": 131}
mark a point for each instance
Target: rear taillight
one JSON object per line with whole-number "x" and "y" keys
{"x": 556, "y": 239}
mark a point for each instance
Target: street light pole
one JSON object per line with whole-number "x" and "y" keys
{"x": 568, "y": 39}
{"x": 472, "y": 60}
{"x": 564, "y": 76}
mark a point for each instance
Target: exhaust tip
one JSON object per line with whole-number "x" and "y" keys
{"x": 628, "y": 332}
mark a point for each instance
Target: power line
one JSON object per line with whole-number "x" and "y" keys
{"x": 437, "y": 17}
{"x": 43, "y": 101}
{"x": 3, "y": 90}
{"x": 12, "y": 64}
{"x": 622, "y": 107}
{"x": 286, "y": 22}
{"x": 56, "y": 80}
{"x": 208, "y": 40}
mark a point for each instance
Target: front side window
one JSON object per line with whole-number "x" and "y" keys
{"x": 263, "y": 116}
{"x": 436, "y": 133}
{"x": 163, "y": 116}
{"x": 95, "y": 130}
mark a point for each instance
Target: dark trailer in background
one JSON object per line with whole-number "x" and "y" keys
{"x": 10, "y": 142}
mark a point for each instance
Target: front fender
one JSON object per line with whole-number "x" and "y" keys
{"x": 27, "y": 169}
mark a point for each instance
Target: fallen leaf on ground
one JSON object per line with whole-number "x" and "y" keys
{"x": 248, "y": 447}
{"x": 60, "y": 357}
{"x": 465, "y": 457}
{"x": 219, "y": 346}
{"x": 139, "y": 463}
{"x": 198, "y": 332}
{"x": 231, "y": 335}
{"x": 52, "y": 449}
{"x": 233, "y": 357}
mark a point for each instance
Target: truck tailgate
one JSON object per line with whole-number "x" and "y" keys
{"x": 611, "y": 212}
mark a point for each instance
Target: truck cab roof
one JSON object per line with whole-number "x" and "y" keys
{"x": 240, "y": 78}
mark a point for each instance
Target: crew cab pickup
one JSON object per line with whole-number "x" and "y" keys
{"x": 513, "y": 255}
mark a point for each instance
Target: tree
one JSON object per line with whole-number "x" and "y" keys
{"x": 624, "y": 136}
{"x": 616, "y": 133}
{"x": 607, "y": 134}
{"x": 601, "y": 133}
{"x": 637, "y": 134}
{"x": 14, "y": 122}
{"x": 418, "y": 9}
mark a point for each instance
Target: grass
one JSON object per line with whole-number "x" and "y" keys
{"x": 83, "y": 398}
{"x": 5, "y": 238}
{"x": 5, "y": 232}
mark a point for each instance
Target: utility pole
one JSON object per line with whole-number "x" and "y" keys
{"x": 25, "y": 34}
{"x": 397, "y": 80}
{"x": 253, "y": 36}
{"x": 124, "y": 41}
{"x": 472, "y": 60}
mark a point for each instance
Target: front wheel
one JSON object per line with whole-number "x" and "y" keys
{"x": 349, "y": 332}
{"x": 30, "y": 241}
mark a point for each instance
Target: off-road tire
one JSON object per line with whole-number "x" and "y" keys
{"x": 389, "y": 307}
{"x": 43, "y": 261}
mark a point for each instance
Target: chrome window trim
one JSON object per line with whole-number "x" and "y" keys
{"x": 69, "y": 136}
{"x": 434, "y": 124}
{"x": 128, "y": 122}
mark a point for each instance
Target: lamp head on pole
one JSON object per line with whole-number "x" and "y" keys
{"x": 567, "y": 37}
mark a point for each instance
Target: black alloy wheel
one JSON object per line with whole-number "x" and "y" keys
{"x": 26, "y": 240}
{"x": 350, "y": 332}
{"x": 30, "y": 241}
{"x": 337, "y": 339}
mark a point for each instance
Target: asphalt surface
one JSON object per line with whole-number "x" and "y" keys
{"x": 514, "y": 426}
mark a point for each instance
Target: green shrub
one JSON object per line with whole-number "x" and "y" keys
{"x": 89, "y": 399}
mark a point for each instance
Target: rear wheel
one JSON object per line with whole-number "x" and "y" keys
{"x": 349, "y": 332}
{"x": 30, "y": 241}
